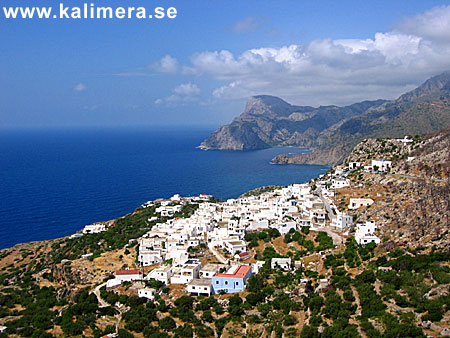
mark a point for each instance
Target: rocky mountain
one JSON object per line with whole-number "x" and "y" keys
{"x": 268, "y": 121}
{"x": 331, "y": 131}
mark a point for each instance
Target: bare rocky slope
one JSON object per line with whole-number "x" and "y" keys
{"x": 412, "y": 200}
{"x": 268, "y": 121}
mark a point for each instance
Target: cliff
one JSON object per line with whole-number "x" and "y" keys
{"x": 268, "y": 121}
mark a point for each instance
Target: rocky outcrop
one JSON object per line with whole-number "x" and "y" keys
{"x": 234, "y": 137}
{"x": 268, "y": 121}
{"x": 319, "y": 156}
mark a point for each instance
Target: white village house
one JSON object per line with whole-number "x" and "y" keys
{"x": 281, "y": 263}
{"x": 94, "y": 228}
{"x": 199, "y": 286}
{"x": 356, "y": 203}
{"x": 342, "y": 221}
{"x": 148, "y": 293}
{"x": 381, "y": 164}
{"x": 365, "y": 233}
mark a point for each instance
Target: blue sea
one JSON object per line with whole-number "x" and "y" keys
{"x": 53, "y": 182}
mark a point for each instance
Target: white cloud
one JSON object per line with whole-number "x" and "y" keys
{"x": 167, "y": 64}
{"x": 249, "y": 24}
{"x": 327, "y": 71}
{"x": 185, "y": 92}
{"x": 433, "y": 25}
{"x": 80, "y": 87}
{"x": 227, "y": 90}
{"x": 187, "y": 89}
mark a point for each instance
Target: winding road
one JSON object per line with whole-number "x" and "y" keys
{"x": 96, "y": 292}
{"x": 118, "y": 316}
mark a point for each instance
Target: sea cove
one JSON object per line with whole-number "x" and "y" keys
{"x": 60, "y": 180}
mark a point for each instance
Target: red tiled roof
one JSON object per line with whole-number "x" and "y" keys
{"x": 128, "y": 272}
{"x": 243, "y": 254}
{"x": 240, "y": 272}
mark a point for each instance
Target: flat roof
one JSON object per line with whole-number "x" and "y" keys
{"x": 200, "y": 282}
{"x": 281, "y": 259}
{"x": 212, "y": 267}
{"x": 163, "y": 268}
{"x": 240, "y": 272}
{"x": 189, "y": 266}
{"x": 236, "y": 242}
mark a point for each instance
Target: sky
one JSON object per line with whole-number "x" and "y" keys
{"x": 199, "y": 68}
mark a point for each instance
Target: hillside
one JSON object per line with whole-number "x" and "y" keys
{"x": 331, "y": 131}
{"x": 334, "y": 288}
{"x": 412, "y": 200}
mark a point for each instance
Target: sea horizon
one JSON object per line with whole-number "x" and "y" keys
{"x": 60, "y": 179}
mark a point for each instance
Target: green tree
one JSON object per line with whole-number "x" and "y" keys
{"x": 167, "y": 323}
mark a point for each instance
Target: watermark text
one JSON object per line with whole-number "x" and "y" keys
{"x": 86, "y": 11}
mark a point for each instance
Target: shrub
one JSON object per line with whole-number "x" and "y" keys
{"x": 167, "y": 323}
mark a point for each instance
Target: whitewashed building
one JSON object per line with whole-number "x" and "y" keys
{"x": 365, "y": 233}
{"x": 209, "y": 270}
{"x": 150, "y": 257}
{"x": 356, "y": 203}
{"x": 186, "y": 272}
{"x": 257, "y": 266}
{"x": 235, "y": 246}
{"x": 162, "y": 274}
{"x": 168, "y": 210}
{"x": 381, "y": 164}
{"x": 148, "y": 293}
{"x": 281, "y": 263}
{"x": 94, "y": 228}
{"x": 354, "y": 165}
{"x": 111, "y": 283}
{"x": 199, "y": 286}
{"x": 284, "y": 227}
{"x": 340, "y": 183}
{"x": 342, "y": 221}
{"x": 129, "y": 275}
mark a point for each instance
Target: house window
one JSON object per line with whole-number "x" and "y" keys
{"x": 217, "y": 282}
{"x": 193, "y": 288}
{"x": 226, "y": 282}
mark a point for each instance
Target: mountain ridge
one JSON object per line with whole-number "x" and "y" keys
{"x": 332, "y": 131}
{"x": 269, "y": 121}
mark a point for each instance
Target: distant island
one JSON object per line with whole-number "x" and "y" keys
{"x": 332, "y": 131}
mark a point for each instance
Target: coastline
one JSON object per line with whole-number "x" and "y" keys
{"x": 294, "y": 225}
{"x": 40, "y": 242}
{"x": 82, "y": 176}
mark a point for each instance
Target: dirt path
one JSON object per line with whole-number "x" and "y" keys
{"x": 96, "y": 292}
{"x": 219, "y": 256}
